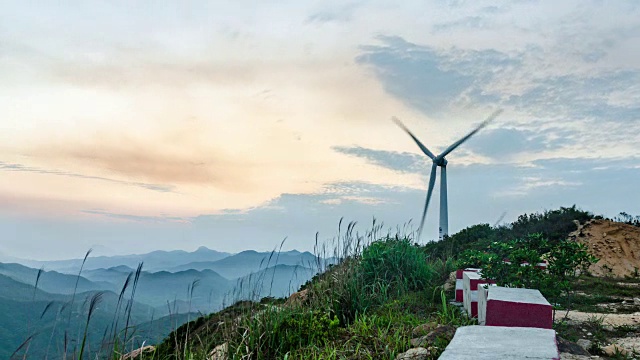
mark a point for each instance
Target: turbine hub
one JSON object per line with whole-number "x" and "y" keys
{"x": 440, "y": 161}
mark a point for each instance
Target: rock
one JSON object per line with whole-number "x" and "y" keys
{"x": 613, "y": 350}
{"x": 442, "y": 331}
{"x": 219, "y": 352}
{"x": 450, "y": 284}
{"x": 566, "y": 346}
{"x": 424, "y": 329}
{"x": 419, "y": 353}
{"x": 584, "y": 343}
{"x": 297, "y": 298}
{"x": 636, "y": 301}
{"x": 567, "y": 356}
{"x": 137, "y": 352}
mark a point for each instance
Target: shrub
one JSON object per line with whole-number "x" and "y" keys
{"x": 302, "y": 329}
{"x": 397, "y": 263}
{"x": 502, "y": 262}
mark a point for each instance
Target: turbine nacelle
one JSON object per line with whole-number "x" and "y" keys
{"x": 440, "y": 161}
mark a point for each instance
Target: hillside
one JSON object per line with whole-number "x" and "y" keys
{"x": 204, "y": 289}
{"x": 383, "y": 298}
{"x": 52, "y": 281}
{"x": 46, "y": 317}
{"x": 154, "y": 261}
{"x": 276, "y": 281}
{"x": 376, "y": 303}
{"x": 616, "y": 245}
{"x": 247, "y": 262}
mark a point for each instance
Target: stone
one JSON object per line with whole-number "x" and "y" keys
{"x": 566, "y": 346}
{"x": 419, "y": 353}
{"x": 636, "y": 301}
{"x": 497, "y": 342}
{"x": 138, "y": 352}
{"x": 424, "y": 329}
{"x": 567, "y": 356}
{"x": 613, "y": 350}
{"x": 297, "y": 298}
{"x": 584, "y": 343}
{"x": 442, "y": 331}
{"x": 220, "y": 352}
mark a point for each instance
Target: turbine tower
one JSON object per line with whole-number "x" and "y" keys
{"x": 440, "y": 161}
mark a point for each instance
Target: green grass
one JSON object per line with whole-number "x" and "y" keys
{"x": 591, "y": 292}
{"x": 363, "y": 308}
{"x": 367, "y": 305}
{"x": 596, "y": 331}
{"x": 609, "y": 286}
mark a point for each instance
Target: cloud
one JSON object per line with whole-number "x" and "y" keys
{"x": 508, "y": 142}
{"x": 137, "y": 218}
{"x": 340, "y": 14}
{"x": 549, "y": 107}
{"x": 398, "y": 161}
{"x": 468, "y": 22}
{"x": 580, "y": 97}
{"x": 169, "y": 158}
{"x": 5, "y": 166}
{"x": 477, "y": 193}
{"x": 431, "y": 79}
{"x": 414, "y": 74}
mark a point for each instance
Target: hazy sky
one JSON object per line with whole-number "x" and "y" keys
{"x": 232, "y": 124}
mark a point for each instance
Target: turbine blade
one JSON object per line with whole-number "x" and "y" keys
{"x": 420, "y": 145}
{"x": 432, "y": 182}
{"x": 459, "y": 142}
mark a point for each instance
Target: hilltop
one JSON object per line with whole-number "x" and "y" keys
{"x": 378, "y": 300}
{"x": 381, "y": 296}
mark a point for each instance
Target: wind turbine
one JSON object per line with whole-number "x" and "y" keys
{"x": 442, "y": 163}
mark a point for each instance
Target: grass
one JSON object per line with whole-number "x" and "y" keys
{"x": 365, "y": 307}
{"x": 609, "y": 286}
{"x": 590, "y": 293}
{"x": 364, "y": 304}
{"x": 595, "y": 330}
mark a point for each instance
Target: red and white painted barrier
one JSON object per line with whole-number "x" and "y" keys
{"x": 459, "y": 287}
{"x": 514, "y": 307}
{"x": 483, "y": 294}
{"x": 470, "y": 282}
{"x": 543, "y": 265}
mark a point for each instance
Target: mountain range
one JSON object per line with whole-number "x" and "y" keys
{"x": 51, "y": 297}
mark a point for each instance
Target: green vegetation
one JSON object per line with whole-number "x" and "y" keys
{"x": 503, "y": 262}
{"x": 370, "y": 298}
{"x": 553, "y": 225}
{"x": 365, "y": 307}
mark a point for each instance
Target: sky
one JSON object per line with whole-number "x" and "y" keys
{"x": 128, "y": 128}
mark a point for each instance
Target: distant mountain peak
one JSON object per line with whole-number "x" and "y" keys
{"x": 202, "y": 249}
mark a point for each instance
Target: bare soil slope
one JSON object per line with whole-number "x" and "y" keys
{"x": 617, "y": 245}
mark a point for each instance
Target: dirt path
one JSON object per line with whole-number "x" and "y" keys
{"x": 608, "y": 319}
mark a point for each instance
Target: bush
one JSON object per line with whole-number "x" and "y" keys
{"x": 273, "y": 332}
{"x": 397, "y": 263}
{"x": 302, "y": 329}
{"x": 502, "y": 262}
{"x": 554, "y": 225}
